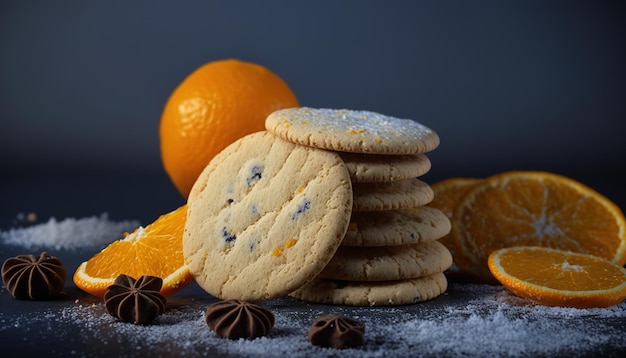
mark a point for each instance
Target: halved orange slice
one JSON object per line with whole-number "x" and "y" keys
{"x": 559, "y": 278}
{"x": 525, "y": 208}
{"x": 155, "y": 250}
{"x": 448, "y": 194}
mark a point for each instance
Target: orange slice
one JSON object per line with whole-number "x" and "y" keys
{"x": 448, "y": 194}
{"x": 536, "y": 209}
{"x": 155, "y": 250}
{"x": 559, "y": 278}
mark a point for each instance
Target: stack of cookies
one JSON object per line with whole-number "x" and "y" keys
{"x": 325, "y": 206}
{"x": 390, "y": 254}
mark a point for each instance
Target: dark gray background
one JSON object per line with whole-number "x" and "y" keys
{"x": 506, "y": 84}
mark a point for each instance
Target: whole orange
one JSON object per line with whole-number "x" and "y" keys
{"x": 214, "y": 106}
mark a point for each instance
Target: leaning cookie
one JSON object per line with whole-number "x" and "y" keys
{"x": 385, "y": 293}
{"x": 396, "y": 227}
{"x": 265, "y": 217}
{"x": 388, "y": 263}
{"x": 352, "y": 131}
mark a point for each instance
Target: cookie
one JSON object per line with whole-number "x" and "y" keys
{"x": 385, "y": 293}
{"x": 402, "y": 194}
{"x": 265, "y": 217}
{"x": 387, "y": 263}
{"x": 368, "y": 168}
{"x": 352, "y": 131}
{"x": 396, "y": 227}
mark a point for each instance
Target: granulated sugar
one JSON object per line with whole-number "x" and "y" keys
{"x": 69, "y": 233}
{"x": 491, "y": 323}
{"x": 468, "y": 320}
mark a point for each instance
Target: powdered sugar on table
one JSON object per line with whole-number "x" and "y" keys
{"x": 69, "y": 233}
{"x": 489, "y": 322}
{"x": 468, "y": 320}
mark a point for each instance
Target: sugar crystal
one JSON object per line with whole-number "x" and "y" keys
{"x": 469, "y": 320}
{"x": 69, "y": 233}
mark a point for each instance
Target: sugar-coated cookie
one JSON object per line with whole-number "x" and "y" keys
{"x": 385, "y": 293}
{"x": 396, "y": 227}
{"x": 388, "y": 263}
{"x": 369, "y": 168}
{"x": 402, "y": 194}
{"x": 265, "y": 217}
{"x": 353, "y": 131}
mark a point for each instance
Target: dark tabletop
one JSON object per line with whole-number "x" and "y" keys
{"x": 77, "y": 324}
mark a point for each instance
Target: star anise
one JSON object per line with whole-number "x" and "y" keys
{"x": 236, "y": 319}
{"x": 28, "y": 277}
{"x": 337, "y": 332}
{"x": 136, "y": 301}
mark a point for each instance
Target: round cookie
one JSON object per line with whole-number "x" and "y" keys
{"x": 369, "y": 168}
{"x": 388, "y": 263}
{"x": 265, "y": 217}
{"x": 352, "y": 131}
{"x": 396, "y": 227}
{"x": 385, "y": 293}
{"x": 401, "y": 194}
